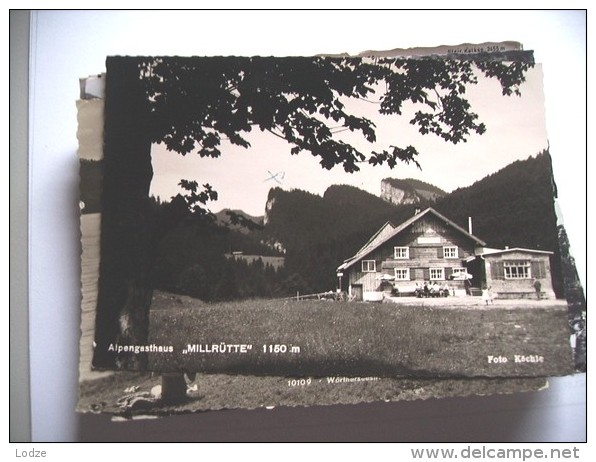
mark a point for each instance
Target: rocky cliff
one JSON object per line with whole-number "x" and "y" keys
{"x": 409, "y": 191}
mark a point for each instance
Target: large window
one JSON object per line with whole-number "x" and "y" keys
{"x": 369, "y": 266}
{"x": 437, "y": 274}
{"x": 402, "y": 274}
{"x": 401, "y": 253}
{"x": 450, "y": 252}
{"x": 517, "y": 269}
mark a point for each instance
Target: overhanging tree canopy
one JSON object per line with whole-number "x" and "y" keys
{"x": 197, "y": 103}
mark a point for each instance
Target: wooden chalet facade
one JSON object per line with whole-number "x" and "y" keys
{"x": 427, "y": 247}
{"x": 430, "y": 248}
{"x": 515, "y": 273}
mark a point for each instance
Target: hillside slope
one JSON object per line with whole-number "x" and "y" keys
{"x": 512, "y": 207}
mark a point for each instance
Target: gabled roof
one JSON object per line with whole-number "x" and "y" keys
{"x": 374, "y": 243}
{"x": 378, "y": 236}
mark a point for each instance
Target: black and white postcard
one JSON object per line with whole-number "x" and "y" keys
{"x": 328, "y": 216}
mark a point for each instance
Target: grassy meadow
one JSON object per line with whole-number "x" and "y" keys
{"x": 320, "y": 338}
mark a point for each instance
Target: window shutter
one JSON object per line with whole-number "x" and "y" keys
{"x": 496, "y": 270}
{"x": 426, "y": 274}
{"x": 448, "y": 272}
{"x": 538, "y": 269}
{"x": 441, "y": 252}
{"x": 412, "y": 274}
{"x": 411, "y": 252}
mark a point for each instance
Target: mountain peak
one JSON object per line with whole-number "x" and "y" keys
{"x": 238, "y": 220}
{"x": 409, "y": 191}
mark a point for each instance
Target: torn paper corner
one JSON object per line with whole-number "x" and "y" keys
{"x": 446, "y": 50}
{"x": 93, "y": 86}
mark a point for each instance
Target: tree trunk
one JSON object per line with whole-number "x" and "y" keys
{"x": 173, "y": 388}
{"x": 124, "y": 295}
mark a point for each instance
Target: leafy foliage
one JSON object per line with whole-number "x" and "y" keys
{"x": 197, "y": 103}
{"x": 241, "y": 220}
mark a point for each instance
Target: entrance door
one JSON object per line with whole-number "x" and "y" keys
{"x": 357, "y": 292}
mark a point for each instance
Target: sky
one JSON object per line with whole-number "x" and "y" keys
{"x": 516, "y": 129}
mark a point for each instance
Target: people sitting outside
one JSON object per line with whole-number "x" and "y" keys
{"x": 431, "y": 290}
{"x": 418, "y": 291}
{"x": 445, "y": 290}
{"x": 435, "y": 290}
{"x": 426, "y": 289}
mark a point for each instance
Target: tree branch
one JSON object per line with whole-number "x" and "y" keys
{"x": 276, "y": 134}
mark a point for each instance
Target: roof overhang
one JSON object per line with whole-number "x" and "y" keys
{"x": 366, "y": 251}
{"x": 516, "y": 249}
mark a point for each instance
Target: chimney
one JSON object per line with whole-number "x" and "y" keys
{"x": 470, "y": 225}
